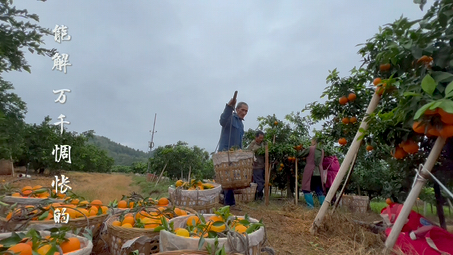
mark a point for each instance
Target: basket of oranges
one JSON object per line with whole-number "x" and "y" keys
{"x": 202, "y": 196}
{"x": 138, "y": 223}
{"x": 233, "y": 169}
{"x": 79, "y": 215}
{"x": 44, "y": 242}
{"x": 33, "y": 195}
{"x": 227, "y": 229}
{"x": 132, "y": 202}
{"x": 246, "y": 195}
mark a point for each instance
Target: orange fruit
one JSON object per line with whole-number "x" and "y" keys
{"x": 343, "y": 100}
{"x": 127, "y": 225}
{"x": 116, "y": 223}
{"x": 129, "y": 220}
{"x": 431, "y": 112}
{"x": 353, "y": 119}
{"x": 433, "y": 131}
{"x": 410, "y": 146}
{"x": 153, "y": 224}
{"x": 446, "y": 131}
{"x": 163, "y": 201}
{"x": 191, "y": 219}
{"x": 380, "y": 90}
{"x": 75, "y": 201}
{"x": 377, "y": 81}
{"x": 93, "y": 211}
{"x": 96, "y": 202}
{"x": 345, "y": 120}
{"x": 352, "y": 97}
{"x": 37, "y": 187}
{"x": 131, "y": 205}
{"x": 16, "y": 194}
{"x": 104, "y": 209}
{"x": 216, "y": 218}
{"x": 388, "y": 201}
{"x": 369, "y": 148}
{"x": 21, "y": 249}
{"x": 83, "y": 203}
{"x": 43, "y": 250}
{"x": 418, "y": 127}
{"x": 425, "y": 60}
{"x": 342, "y": 141}
{"x": 275, "y": 123}
{"x": 399, "y": 153}
{"x": 217, "y": 229}
{"x": 72, "y": 244}
{"x": 240, "y": 228}
{"x": 445, "y": 117}
{"x": 384, "y": 67}
{"x": 122, "y": 204}
{"x": 182, "y": 232}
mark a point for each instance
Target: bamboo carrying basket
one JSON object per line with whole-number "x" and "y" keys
{"x": 246, "y": 195}
{"x": 86, "y": 246}
{"x": 118, "y": 236}
{"x": 233, "y": 169}
{"x": 357, "y": 204}
{"x": 202, "y": 201}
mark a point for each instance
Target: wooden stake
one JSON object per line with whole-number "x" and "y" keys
{"x": 188, "y": 177}
{"x": 266, "y": 175}
{"x": 355, "y": 145}
{"x": 415, "y": 192}
{"x": 160, "y": 176}
{"x": 295, "y": 188}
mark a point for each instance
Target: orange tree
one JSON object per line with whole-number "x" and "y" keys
{"x": 291, "y": 134}
{"x": 410, "y": 65}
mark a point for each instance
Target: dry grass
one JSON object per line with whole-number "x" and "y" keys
{"x": 105, "y": 187}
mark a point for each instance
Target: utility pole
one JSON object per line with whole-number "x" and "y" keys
{"x": 151, "y": 144}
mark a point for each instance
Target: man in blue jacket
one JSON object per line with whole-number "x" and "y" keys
{"x": 232, "y": 134}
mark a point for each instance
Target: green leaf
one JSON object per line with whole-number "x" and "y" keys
{"x": 429, "y": 84}
{"x": 158, "y": 229}
{"x": 411, "y": 94}
{"x": 422, "y": 110}
{"x": 200, "y": 243}
{"x": 449, "y": 90}
{"x": 12, "y": 240}
{"x": 442, "y": 76}
{"x": 218, "y": 224}
{"x": 447, "y": 105}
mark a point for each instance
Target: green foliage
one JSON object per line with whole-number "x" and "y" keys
{"x": 123, "y": 155}
{"x": 179, "y": 158}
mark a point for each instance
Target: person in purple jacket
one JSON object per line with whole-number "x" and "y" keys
{"x": 231, "y": 135}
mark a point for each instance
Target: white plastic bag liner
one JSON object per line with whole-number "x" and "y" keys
{"x": 196, "y": 198}
{"x": 171, "y": 242}
{"x": 86, "y": 246}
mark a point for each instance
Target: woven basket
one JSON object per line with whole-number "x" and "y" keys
{"x": 118, "y": 236}
{"x": 86, "y": 246}
{"x": 202, "y": 201}
{"x": 94, "y": 223}
{"x": 233, "y": 169}
{"x": 358, "y": 204}
{"x": 246, "y": 195}
{"x": 29, "y": 201}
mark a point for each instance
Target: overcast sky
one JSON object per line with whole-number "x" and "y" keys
{"x": 184, "y": 59}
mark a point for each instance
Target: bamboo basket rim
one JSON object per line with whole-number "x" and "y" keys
{"x": 30, "y": 199}
{"x": 43, "y": 222}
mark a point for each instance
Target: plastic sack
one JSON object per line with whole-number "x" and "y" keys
{"x": 171, "y": 242}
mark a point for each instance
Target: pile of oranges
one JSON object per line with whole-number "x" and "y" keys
{"x": 37, "y": 192}
{"x": 75, "y": 210}
{"x": 195, "y": 228}
{"x": 193, "y": 185}
{"x": 344, "y": 100}
{"x": 130, "y": 204}
{"x": 147, "y": 218}
{"x": 33, "y": 243}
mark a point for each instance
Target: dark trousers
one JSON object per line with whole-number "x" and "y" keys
{"x": 316, "y": 186}
{"x": 258, "y": 178}
{"x": 229, "y": 197}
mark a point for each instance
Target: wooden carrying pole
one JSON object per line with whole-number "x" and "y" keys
{"x": 344, "y": 165}
{"x": 295, "y": 187}
{"x": 266, "y": 175}
{"x": 415, "y": 192}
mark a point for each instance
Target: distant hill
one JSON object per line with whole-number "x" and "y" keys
{"x": 123, "y": 155}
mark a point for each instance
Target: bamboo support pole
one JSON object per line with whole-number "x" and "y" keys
{"x": 295, "y": 187}
{"x": 160, "y": 176}
{"x": 344, "y": 165}
{"x": 345, "y": 184}
{"x": 266, "y": 175}
{"x": 415, "y": 192}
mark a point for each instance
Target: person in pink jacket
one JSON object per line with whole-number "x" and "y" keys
{"x": 313, "y": 176}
